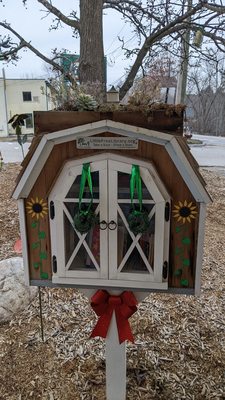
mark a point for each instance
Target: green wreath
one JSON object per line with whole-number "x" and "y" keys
{"x": 85, "y": 217}
{"x": 138, "y": 219}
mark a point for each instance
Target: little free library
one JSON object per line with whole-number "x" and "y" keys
{"x": 112, "y": 203}
{"x": 112, "y": 200}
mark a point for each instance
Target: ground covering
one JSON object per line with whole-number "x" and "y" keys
{"x": 180, "y": 341}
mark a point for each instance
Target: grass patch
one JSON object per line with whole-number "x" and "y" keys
{"x": 194, "y": 141}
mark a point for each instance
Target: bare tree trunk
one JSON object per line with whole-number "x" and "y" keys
{"x": 91, "y": 69}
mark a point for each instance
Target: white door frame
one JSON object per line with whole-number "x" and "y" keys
{"x": 97, "y": 278}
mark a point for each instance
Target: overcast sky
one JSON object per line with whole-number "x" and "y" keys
{"x": 31, "y": 23}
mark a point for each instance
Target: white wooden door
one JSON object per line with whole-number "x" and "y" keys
{"x": 134, "y": 257}
{"x": 109, "y": 255}
{"x": 80, "y": 255}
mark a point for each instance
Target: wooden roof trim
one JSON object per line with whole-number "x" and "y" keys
{"x": 32, "y": 164}
{"x": 65, "y": 135}
{"x": 183, "y": 144}
{"x": 187, "y": 172}
{"x": 109, "y": 126}
{"x": 33, "y": 169}
{"x": 45, "y": 146}
{"x": 34, "y": 144}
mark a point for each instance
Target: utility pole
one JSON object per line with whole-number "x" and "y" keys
{"x": 182, "y": 77}
{"x": 5, "y": 109}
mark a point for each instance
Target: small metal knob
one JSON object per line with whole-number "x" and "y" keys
{"x": 112, "y": 225}
{"x": 103, "y": 225}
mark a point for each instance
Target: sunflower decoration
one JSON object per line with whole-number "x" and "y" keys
{"x": 37, "y": 208}
{"x": 185, "y": 211}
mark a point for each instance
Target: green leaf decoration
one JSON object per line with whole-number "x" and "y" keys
{"x": 35, "y": 245}
{"x": 34, "y": 224}
{"x": 44, "y": 275}
{"x": 186, "y": 262}
{"x": 178, "y": 272}
{"x": 177, "y": 250}
{"x": 178, "y": 229}
{"x": 184, "y": 282}
{"x": 36, "y": 265}
{"x": 186, "y": 240}
{"x": 41, "y": 235}
{"x": 43, "y": 255}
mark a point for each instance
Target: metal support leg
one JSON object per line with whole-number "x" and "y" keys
{"x": 40, "y": 310}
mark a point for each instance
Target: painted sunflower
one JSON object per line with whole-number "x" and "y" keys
{"x": 184, "y": 211}
{"x": 37, "y": 208}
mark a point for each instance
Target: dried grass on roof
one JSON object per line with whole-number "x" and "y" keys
{"x": 169, "y": 109}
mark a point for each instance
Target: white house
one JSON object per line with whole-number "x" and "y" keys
{"x": 22, "y": 96}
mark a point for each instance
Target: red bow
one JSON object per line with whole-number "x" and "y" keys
{"x": 124, "y": 306}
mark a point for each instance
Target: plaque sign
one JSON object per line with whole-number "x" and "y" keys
{"x": 107, "y": 143}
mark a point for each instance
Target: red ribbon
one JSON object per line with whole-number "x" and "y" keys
{"x": 124, "y": 306}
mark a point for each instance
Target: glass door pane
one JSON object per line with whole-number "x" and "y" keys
{"x": 75, "y": 188}
{"x": 82, "y": 250}
{"x": 124, "y": 188}
{"x": 135, "y": 252}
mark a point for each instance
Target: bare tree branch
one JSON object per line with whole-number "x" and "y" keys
{"x": 25, "y": 44}
{"x": 132, "y": 7}
{"x": 215, "y": 7}
{"x": 175, "y": 26}
{"x": 157, "y": 25}
{"x": 206, "y": 98}
{"x": 9, "y": 49}
{"x": 74, "y": 23}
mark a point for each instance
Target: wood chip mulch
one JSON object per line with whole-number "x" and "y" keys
{"x": 180, "y": 341}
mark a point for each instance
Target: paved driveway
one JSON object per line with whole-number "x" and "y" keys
{"x": 11, "y": 151}
{"x": 211, "y": 153}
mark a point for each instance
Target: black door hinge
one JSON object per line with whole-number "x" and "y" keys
{"x": 54, "y": 264}
{"x": 165, "y": 270}
{"x": 167, "y": 211}
{"x": 52, "y": 210}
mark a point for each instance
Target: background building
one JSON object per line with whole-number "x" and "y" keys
{"x": 22, "y": 96}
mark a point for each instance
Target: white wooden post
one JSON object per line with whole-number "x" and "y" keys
{"x": 115, "y": 355}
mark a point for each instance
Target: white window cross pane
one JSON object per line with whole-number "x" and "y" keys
{"x": 135, "y": 242}
{"x": 82, "y": 240}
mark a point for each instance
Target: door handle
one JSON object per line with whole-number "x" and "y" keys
{"x": 103, "y": 225}
{"x": 112, "y": 225}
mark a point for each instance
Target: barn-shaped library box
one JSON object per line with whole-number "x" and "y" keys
{"x": 112, "y": 200}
